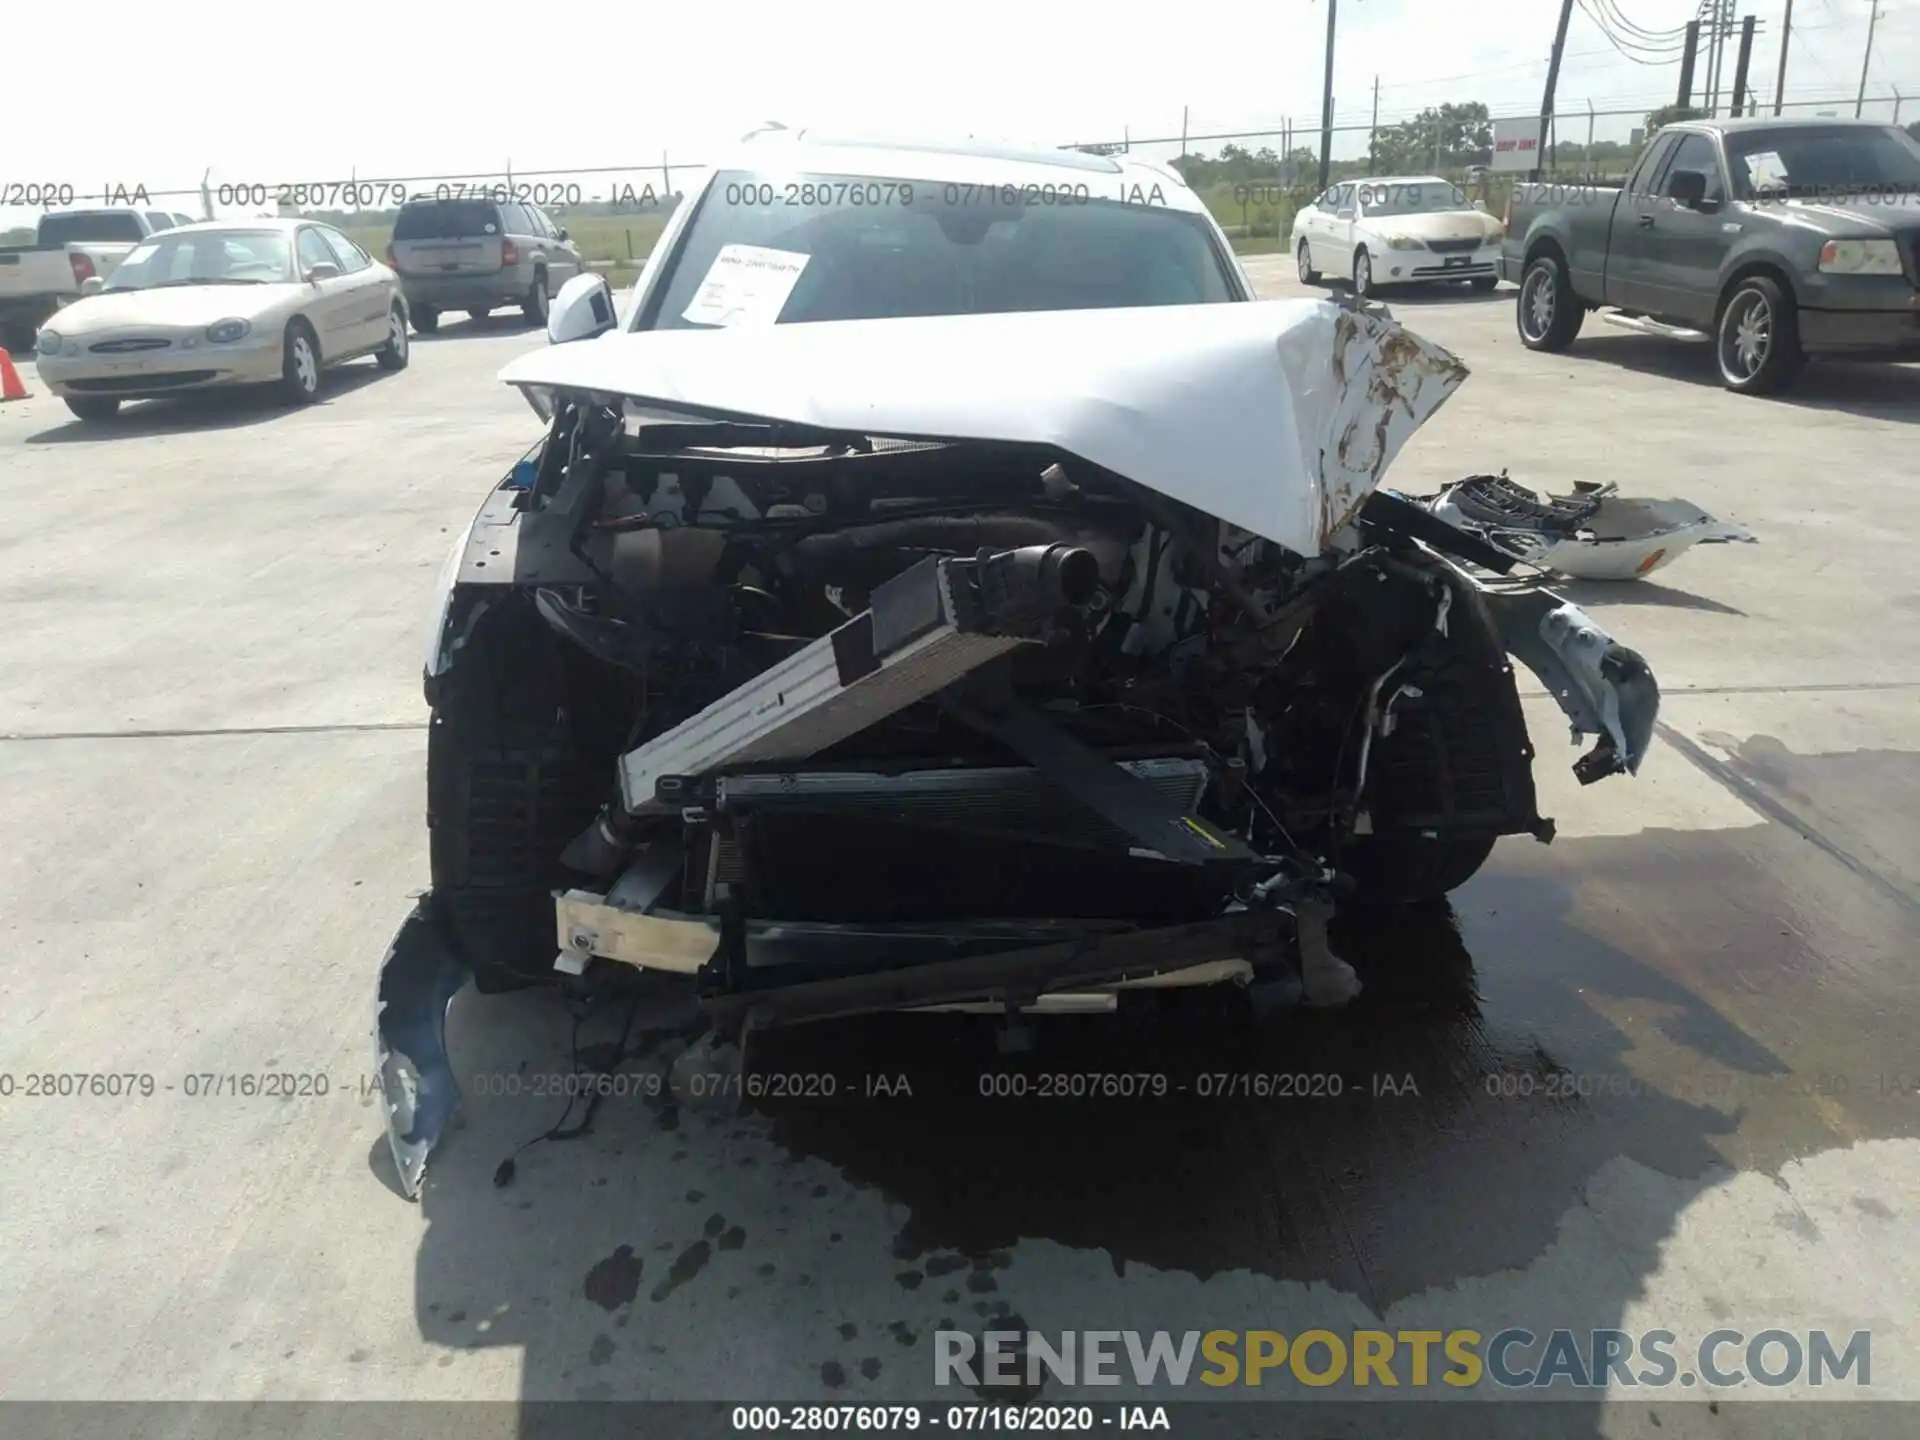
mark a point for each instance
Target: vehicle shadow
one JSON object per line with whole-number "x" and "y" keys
{"x": 1883, "y": 391}
{"x": 501, "y": 322}
{"x": 1600, "y": 593}
{"x": 1444, "y": 294}
{"x": 1503, "y": 1130}
{"x": 1418, "y": 297}
{"x": 206, "y": 410}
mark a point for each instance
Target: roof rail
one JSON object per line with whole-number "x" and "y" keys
{"x": 1161, "y": 167}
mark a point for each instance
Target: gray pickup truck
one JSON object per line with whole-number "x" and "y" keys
{"x": 1774, "y": 240}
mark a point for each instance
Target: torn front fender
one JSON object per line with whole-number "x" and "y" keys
{"x": 1605, "y": 689}
{"x": 419, "y": 977}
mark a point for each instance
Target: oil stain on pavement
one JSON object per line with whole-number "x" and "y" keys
{"x": 1696, "y": 1002}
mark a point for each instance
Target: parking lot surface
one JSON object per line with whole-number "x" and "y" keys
{"x": 1661, "y": 1074}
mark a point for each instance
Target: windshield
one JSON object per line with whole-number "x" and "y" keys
{"x": 446, "y": 220}
{"x": 206, "y": 257}
{"x": 1421, "y": 197}
{"x": 767, "y": 249}
{"x": 105, "y": 225}
{"x": 1821, "y": 161}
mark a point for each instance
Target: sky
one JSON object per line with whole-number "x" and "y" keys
{"x": 411, "y": 92}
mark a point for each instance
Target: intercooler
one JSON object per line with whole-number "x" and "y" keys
{"x": 1008, "y": 799}
{"x": 924, "y": 629}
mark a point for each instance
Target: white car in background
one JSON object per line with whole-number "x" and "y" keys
{"x": 268, "y": 302}
{"x": 1396, "y": 230}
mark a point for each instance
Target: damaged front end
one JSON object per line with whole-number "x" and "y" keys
{"x": 784, "y": 669}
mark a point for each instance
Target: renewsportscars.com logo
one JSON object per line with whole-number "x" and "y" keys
{"x": 1509, "y": 1359}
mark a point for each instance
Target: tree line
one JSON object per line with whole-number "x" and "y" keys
{"x": 1442, "y": 138}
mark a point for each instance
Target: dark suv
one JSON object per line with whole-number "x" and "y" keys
{"x": 477, "y": 254}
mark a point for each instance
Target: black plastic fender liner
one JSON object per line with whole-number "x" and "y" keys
{"x": 1386, "y": 511}
{"x": 419, "y": 976}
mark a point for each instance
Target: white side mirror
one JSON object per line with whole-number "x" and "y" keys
{"x": 582, "y": 310}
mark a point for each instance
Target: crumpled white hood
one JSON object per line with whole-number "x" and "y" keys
{"x": 1277, "y": 416}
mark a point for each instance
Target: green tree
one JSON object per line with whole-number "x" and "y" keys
{"x": 1443, "y": 137}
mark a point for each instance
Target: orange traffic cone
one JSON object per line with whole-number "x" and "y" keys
{"x": 10, "y": 386}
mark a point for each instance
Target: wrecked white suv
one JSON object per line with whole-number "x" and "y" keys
{"x": 954, "y": 589}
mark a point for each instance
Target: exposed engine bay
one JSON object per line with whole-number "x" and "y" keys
{"x": 833, "y": 721}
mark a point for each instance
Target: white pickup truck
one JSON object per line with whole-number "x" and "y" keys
{"x": 70, "y": 247}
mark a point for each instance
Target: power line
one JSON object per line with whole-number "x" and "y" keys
{"x": 1612, "y": 7}
{"x": 1639, "y": 51}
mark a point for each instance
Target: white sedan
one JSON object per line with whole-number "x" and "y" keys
{"x": 270, "y": 302}
{"x": 1396, "y": 230}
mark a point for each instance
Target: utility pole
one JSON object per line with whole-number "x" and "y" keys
{"x": 1786, "y": 38}
{"x": 1740, "y": 66}
{"x": 1714, "y": 47}
{"x": 1685, "y": 97}
{"x": 1373, "y": 130}
{"x": 1326, "y": 100}
{"x": 1860, "y": 100}
{"x": 1553, "y": 81}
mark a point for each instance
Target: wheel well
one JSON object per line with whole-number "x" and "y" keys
{"x": 1746, "y": 272}
{"x": 1548, "y": 246}
{"x": 312, "y": 334}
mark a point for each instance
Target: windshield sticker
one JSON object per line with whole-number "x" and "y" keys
{"x": 1767, "y": 170}
{"x": 747, "y": 285}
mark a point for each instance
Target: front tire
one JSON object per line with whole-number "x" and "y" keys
{"x": 1413, "y": 870}
{"x": 1756, "y": 342}
{"x": 1483, "y": 284}
{"x": 394, "y": 354}
{"x": 534, "y": 307}
{"x": 300, "y": 365}
{"x": 1547, "y": 313}
{"x": 93, "y": 407}
{"x": 1363, "y": 285}
{"x": 426, "y": 319}
{"x": 1303, "y": 257}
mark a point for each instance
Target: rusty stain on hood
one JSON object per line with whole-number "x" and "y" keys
{"x": 1403, "y": 374}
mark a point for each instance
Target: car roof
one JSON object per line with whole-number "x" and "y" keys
{"x": 962, "y": 161}
{"x": 1400, "y": 180}
{"x": 263, "y": 222}
{"x": 1776, "y": 122}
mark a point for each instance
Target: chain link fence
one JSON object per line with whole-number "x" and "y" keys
{"x": 1253, "y": 180}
